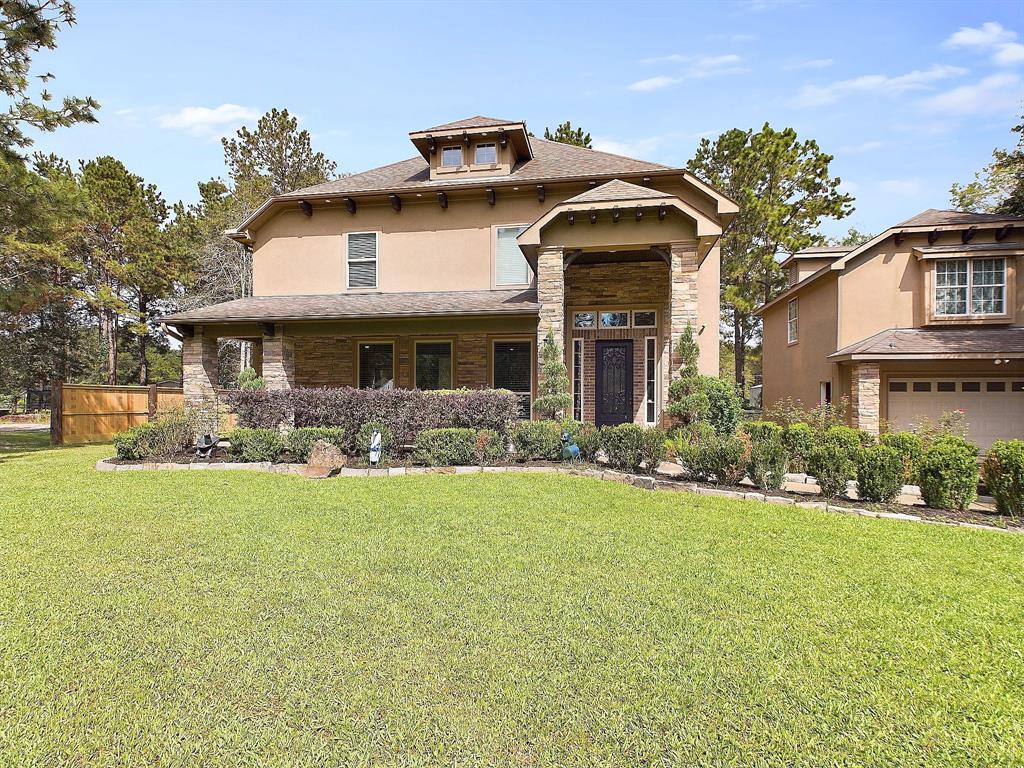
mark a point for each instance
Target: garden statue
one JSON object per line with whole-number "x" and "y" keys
{"x": 375, "y": 441}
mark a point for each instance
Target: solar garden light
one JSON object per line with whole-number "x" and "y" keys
{"x": 375, "y": 441}
{"x": 570, "y": 451}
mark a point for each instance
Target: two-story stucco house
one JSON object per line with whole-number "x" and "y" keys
{"x": 927, "y": 317}
{"x": 448, "y": 270}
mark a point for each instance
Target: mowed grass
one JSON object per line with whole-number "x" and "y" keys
{"x": 224, "y": 619}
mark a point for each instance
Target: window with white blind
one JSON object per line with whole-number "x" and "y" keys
{"x": 362, "y": 259}
{"x": 510, "y": 265}
{"x": 486, "y": 153}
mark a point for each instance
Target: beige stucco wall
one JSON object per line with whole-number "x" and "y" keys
{"x": 797, "y": 370}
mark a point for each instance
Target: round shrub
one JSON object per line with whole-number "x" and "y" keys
{"x": 712, "y": 457}
{"x": 450, "y": 447}
{"x": 846, "y": 438}
{"x": 833, "y": 459}
{"x": 762, "y": 430}
{"x": 587, "y": 438}
{"x": 361, "y": 448}
{"x": 133, "y": 443}
{"x": 879, "y": 473}
{"x": 908, "y": 446}
{"x": 537, "y": 440}
{"x": 629, "y": 446}
{"x": 256, "y": 444}
{"x": 170, "y": 436}
{"x": 724, "y": 405}
{"x": 948, "y": 473}
{"x": 769, "y": 460}
{"x": 798, "y": 440}
{"x": 1004, "y": 476}
{"x": 489, "y": 447}
{"x": 301, "y": 440}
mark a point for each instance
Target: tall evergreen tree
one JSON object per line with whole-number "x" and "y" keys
{"x": 784, "y": 190}
{"x": 566, "y": 134}
{"x": 999, "y": 186}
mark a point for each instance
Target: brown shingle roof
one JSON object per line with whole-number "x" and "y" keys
{"x": 937, "y": 341}
{"x": 551, "y": 160}
{"x": 616, "y": 189}
{"x": 363, "y": 305}
{"x": 820, "y": 251}
{"x": 933, "y": 217}
{"x": 479, "y": 121}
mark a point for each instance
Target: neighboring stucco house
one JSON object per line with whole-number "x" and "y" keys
{"x": 448, "y": 270}
{"x": 925, "y": 318}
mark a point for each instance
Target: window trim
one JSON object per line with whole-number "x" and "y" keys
{"x": 652, "y": 402}
{"x": 584, "y": 312}
{"x": 626, "y": 327}
{"x": 632, "y": 318}
{"x": 530, "y": 274}
{"x": 532, "y": 341}
{"x": 462, "y": 156}
{"x": 432, "y": 340}
{"x": 376, "y": 261}
{"x": 391, "y": 342}
{"x": 581, "y": 356}
{"x": 969, "y": 304}
{"x": 793, "y": 321}
{"x": 487, "y": 163}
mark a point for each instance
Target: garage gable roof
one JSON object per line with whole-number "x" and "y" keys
{"x": 948, "y": 343}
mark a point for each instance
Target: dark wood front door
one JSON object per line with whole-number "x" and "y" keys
{"x": 614, "y": 388}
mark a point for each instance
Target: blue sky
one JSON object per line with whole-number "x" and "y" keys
{"x": 909, "y": 97}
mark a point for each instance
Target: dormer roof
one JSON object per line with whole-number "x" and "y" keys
{"x": 479, "y": 121}
{"x": 428, "y": 140}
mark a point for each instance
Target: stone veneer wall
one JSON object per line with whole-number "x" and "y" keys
{"x": 865, "y": 396}
{"x": 200, "y": 376}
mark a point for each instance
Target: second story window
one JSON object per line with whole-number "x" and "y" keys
{"x": 791, "y": 321}
{"x": 510, "y": 265}
{"x": 451, "y": 157}
{"x": 486, "y": 154}
{"x": 970, "y": 287}
{"x": 362, "y": 259}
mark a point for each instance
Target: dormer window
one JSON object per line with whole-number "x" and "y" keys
{"x": 970, "y": 287}
{"x": 486, "y": 154}
{"x": 451, "y": 157}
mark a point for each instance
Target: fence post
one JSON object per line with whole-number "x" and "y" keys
{"x": 57, "y": 413}
{"x": 152, "y": 402}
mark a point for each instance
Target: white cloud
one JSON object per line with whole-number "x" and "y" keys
{"x": 697, "y": 67}
{"x": 207, "y": 121}
{"x": 820, "y": 95}
{"x": 811, "y": 64}
{"x": 643, "y": 147}
{"x": 990, "y": 38}
{"x": 993, "y": 94}
{"x": 859, "y": 149}
{"x": 848, "y": 187}
{"x": 903, "y": 187}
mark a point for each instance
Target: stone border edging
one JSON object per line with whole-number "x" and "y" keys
{"x": 645, "y": 482}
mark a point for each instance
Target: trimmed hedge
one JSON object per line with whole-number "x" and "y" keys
{"x": 301, "y": 441}
{"x": 450, "y": 447}
{"x": 948, "y": 473}
{"x": 769, "y": 460}
{"x": 256, "y": 444}
{"x": 537, "y": 440}
{"x": 798, "y": 439}
{"x": 171, "y": 435}
{"x": 405, "y": 412}
{"x": 628, "y": 446}
{"x": 879, "y": 473}
{"x": 1004, "y": 476}
{"x": 712, "y": 457}
{"x": 833, "y": 459}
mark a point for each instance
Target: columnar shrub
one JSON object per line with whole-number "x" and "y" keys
{"x": 632, "y": 446}
{"x": 724, "y": 404}
{"x": 553, "y": 398}
{"x": 948, "y": 473}
{"x": 798, "y": 439}
{"x": 256, "y": 444}
{"x": 537, "y": 440}
{"x": 769, "y": 460}
{"x": 687, "y": 404}
{"x": 879, "y": 473}
{"x": 171, "y": 435}
{"x": 908, "y": 446}
{"x": 1004, "y": 476}
{"x": 454, "y": 446}
{"x": 301, "y": 440}
{"x": 361, "y": 445}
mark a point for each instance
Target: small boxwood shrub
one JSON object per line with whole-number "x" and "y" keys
{"x": 133, "y": 443}
{"x": 489, "y": 447}
{"x": 537, "y": 440}
{"x": 908, "y": 446}
{"x": 170, "y": 436}
{"x": 833, "y": 459}
{"x": 301, "y": 440}
{"x": 769, "y": 460}
{"x": 587, "y": 437}
{"x": 879, "y": 473}
{"x": 628, "y": 446}
{"x": 948, "y": 473}
{"x": 1004, "y": 476}
{"x": 449, "y": 447}
{"x": 761, "y": 430}
{"x": 798, "y": 440}
{"x": 712, "y": 457}
{"x": 361, "y": 445}
{"x": 256, "y": 444}
{"x": 724, "y": 405}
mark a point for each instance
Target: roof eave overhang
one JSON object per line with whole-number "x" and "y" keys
{"x": 185, "y": 320}
{"x": 516, "y": 133}
{"x": 880, "y": 357}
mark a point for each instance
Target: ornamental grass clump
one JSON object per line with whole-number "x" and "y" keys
{"x": 1004, "y": 476}
{"x": 948, "y": 473}
{"x": 879, "y": 473}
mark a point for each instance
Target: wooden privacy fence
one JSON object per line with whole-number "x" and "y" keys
{"x": 92, "y": 413}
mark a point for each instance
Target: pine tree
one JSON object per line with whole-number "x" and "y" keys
{"x": 566, "y": 134}
{"x": 553, "y": 398}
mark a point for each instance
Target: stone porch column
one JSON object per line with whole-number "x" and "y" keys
{"x": 865, "y": 395}
{"x": 278, "y": 359}
{"x": 200, "y": 376}
{"x": 682, "y": 307}
{"x": 551, "y": 297}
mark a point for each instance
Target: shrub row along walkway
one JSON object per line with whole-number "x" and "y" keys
{"x": 661, "y": 481}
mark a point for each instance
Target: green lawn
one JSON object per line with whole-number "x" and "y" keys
{"x": 201, "y": 618}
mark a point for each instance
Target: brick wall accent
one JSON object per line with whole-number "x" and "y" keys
{"x": 865, "y": 394}
{"x": 200, "y": 376}
{"x": 471, "y": 361}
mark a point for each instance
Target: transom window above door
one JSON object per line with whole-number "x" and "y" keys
{"x": 970, "y": 287}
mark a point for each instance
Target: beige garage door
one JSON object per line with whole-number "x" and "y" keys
{"x": 994, "y": 407}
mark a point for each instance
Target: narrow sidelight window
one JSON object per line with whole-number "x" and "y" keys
{"x": 362, "y": 259}
{"x": 376, "y": 366}
{"x": 486, "y": 154}
{"x": 451, "y": 157}
{"x": 651, "y": 378}
{"x": 510, "y": 265}
{"x": 792, "y": 320}
{"x": 513, "y": 371}
{"x": 577, "y": 379}
{"x": 434, "y": 365}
